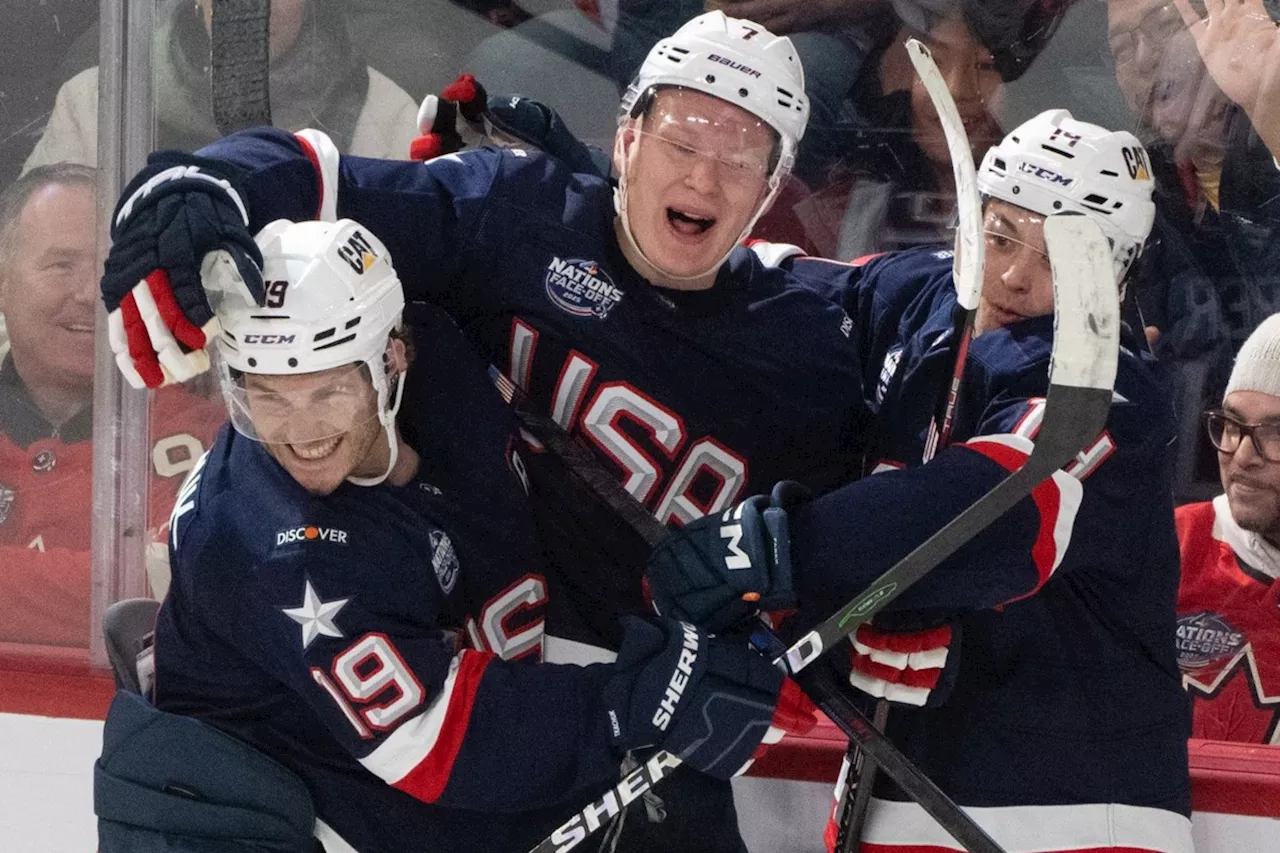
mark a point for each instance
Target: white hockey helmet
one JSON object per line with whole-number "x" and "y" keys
{"x": 1053, "y": 163}
{"x": 736, "y": 61}
{"x": 332, "y": 299}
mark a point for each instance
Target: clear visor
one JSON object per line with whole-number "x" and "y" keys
{"x": 690, "y": 129}
{"x": 300, "y": 408}
{"x": 1013, "y": 231}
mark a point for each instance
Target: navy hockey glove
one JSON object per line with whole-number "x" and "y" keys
{"x": 180, "y": 225}
{"x": 463, "y": 115}
{"x": 720, "y": 569}
{"x": 916, "y": 668}
{"x": 711, "y": 702}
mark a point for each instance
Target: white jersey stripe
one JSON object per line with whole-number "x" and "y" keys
{"x": 893, "y": 826}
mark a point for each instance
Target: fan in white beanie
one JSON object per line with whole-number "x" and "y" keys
{"x": 1257, "y": 366}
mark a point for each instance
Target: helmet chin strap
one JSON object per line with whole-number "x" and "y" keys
{"x": 387, "y": 417}
{"x": 620, "y": 206}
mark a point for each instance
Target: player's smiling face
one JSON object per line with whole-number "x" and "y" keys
{"x": 697, "y": 170}
{"x": 1251, "y": 482}
{"x": 321, "y": 427}
{"x": 1017, "y": 282}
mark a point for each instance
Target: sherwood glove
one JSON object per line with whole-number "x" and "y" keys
{"x": 720, "y": 569}
{"x": 180, "y": 226}
{"x": 712, "y": 702}
{"x": 916, "y": 668}
{"x": 463, "y": 115}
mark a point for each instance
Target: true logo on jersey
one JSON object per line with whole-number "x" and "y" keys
{"x": 581, "y": 288}
{"x": 6, "y": 502}
{"x": 311, "y": 533}
{"x": 1205, "y": 637}
{"x": 444, "y": 560}
{"x": 887, "y": 370}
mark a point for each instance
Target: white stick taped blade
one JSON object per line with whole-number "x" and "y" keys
{"x": 1086, "y": 303}
{"x": 970, "y": 245}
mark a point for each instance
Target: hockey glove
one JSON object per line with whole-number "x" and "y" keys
{"x": 712, "y": 702}
{"x": 178, "y": 221}
{"x": 720, "y": 569}
{"x": 916, "y": 668}
{"x": 465, "y": 116}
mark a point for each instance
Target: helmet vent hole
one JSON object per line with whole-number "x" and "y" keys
{"x": 1016, "y": 189}
{"x": 1057, "y": 205}
{"x": 711, "y": 78}
{"x": 253, "y": 362}
{"x": 1094, "y": 198}
{"x": 327, "y": 333}
{"x": 352, "y": 323}
{"x": 1060, "y": 152}
{"x": 1110, "y": 174}
{"x": 338, "y": 342}
{"x": 293, "y": 362}
{"x": 742, "y": 93}
{"x": 1000, "y": 164}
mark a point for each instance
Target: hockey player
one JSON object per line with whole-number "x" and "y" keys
{"x": 330, "y": 561}
{"x": 637, "y": 323}
{"x": 1228, "y": 636}
{"x": 1065, "y": 728}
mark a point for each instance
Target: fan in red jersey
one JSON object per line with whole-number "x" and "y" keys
{"x": 1229, "y": 598}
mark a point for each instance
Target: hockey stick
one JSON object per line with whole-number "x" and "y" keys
{"x": 240, "y": 64}
{"x": 1081, "y": 375}
{"x": 970, "y": 251}
{"x": 827, "y": 692}
{"x": 967, "y": 273}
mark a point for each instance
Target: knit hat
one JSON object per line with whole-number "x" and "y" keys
{"x": 1257, "y": 366}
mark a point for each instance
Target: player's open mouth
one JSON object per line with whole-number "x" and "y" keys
{"x": 688, "y": 224}
{"x": 315, "y": 450}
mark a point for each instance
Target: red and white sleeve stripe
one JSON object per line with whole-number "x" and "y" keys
{"x": 1057, "y": 499}
{"x": 418, "y": 756}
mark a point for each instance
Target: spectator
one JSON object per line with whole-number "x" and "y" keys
{"x": 38, "y": 37}
{"x": 318, "y": 79}
{"x": 555, "y": 55}
{"x": 1228, "y": 642}
{"x": 893, "y": 188}
{"x": 1209, "y": 277}
{"x": 48, "y": 284}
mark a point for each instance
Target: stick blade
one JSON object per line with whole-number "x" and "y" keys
{"x": 1086, "y": 298}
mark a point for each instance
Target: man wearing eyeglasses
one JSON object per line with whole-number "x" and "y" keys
{"x": 1229, "y": 598}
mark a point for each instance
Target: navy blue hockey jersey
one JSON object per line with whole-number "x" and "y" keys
{"x": 359, "y": 638}
{"x": 1067, "y": 727}
{"x": 694, "y": 400}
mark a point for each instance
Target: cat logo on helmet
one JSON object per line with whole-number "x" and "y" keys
{"x": 1135, "y": 159}
{"x": 357, "y": 252}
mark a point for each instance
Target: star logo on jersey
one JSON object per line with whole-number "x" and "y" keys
{"x": 315, "y": 616}
{"x": 6, "y": 502}
{"x": 581, "y": 288}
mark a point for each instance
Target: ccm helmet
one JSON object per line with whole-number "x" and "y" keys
{"x": 736, "y": 61}
{"x": 332, "y": 299}
{"x": 1054, "y": 163}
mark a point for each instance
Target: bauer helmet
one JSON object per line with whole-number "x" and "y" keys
{"x": 736, "y": 61}
{"x": 1053, "y": 163}
{"x": 332, "y": 298}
